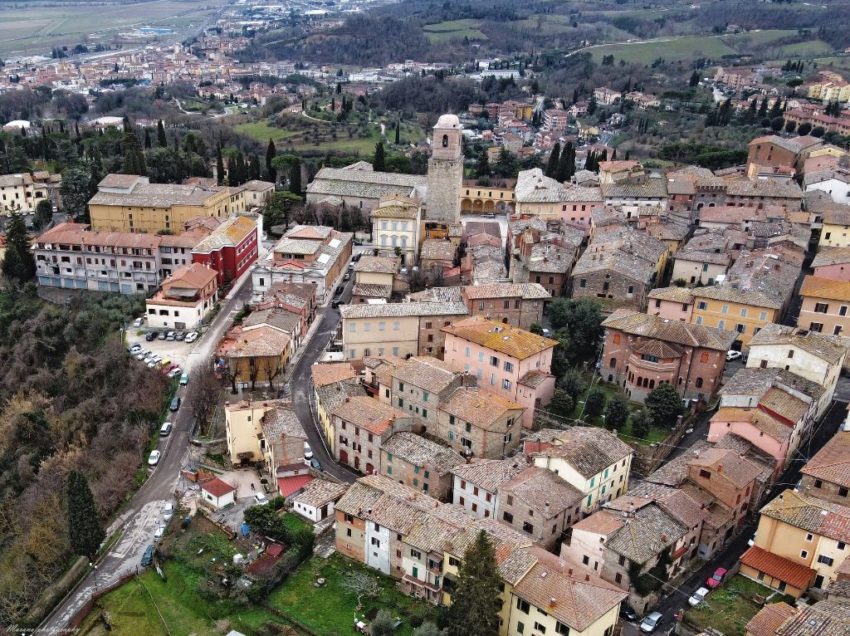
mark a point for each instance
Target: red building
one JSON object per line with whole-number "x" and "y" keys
{"x": 230, "y": 249}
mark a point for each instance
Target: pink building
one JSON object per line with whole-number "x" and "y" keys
{"x": 506, "y": 360}
{"x": 763, "y": 430}
{"x": 832, "y": 263}
{"x": 670, "y": 303}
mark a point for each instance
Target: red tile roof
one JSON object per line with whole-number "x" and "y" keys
{"x": 290, "y": 485}
{"x": 216, "y": 487}
{"x": 778, "y": 567}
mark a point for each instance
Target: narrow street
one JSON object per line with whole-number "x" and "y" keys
{"x": 677, "y": 599}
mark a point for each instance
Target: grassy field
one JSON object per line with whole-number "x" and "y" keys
{"x": 729, "y": 608}
{"x": 332, "y": 608}
{"x": 453, "y": 30}
{"x": 684, "y": 48}
{"x": 35, "y": 29}
{"x": 263, "y": 131}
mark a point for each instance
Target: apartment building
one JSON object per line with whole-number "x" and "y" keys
{"x": 832, "y": 263}
{"x": 419, "y": 463}
{"x": 333, "y": 384}
{"x": 827, "y": 474}
{"x": 421, "y": 384}
{"x": 373, "y": 278}
{"x": 268, "y": 431}
{"x": 479, "y": 423}
{"x": 476, "y": 484}
{"x": 396, "y": 225}
{"x": 517, "y": 304}
{"x": 825, "y": 305}
{"x": 361, "y": 426}
{"x": 231, "y": 248}
{"x": 185, "y": 299}
{"x": 22, "y": 192}
{"x": 670, "y": 303}
{"x": 506, "y": 360}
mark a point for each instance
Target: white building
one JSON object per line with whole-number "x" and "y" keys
{"x": 316, "y": 500}
{"x": 476, "y": 484}
{"x": 185, "y": 300}
{"x": 835, "y": 183}
{"x": 217, "y": 493}
{"x": 396, "y": 224}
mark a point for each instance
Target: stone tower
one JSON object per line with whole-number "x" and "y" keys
{"x": 445, "y": 172}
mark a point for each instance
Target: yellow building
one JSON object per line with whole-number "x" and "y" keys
{"x": 726, "y": 307}
{"x": 479, "y": 199}
{"x": 21, "y": 193}
{"x": 800, "y": 542}
{"x": 333, "y": 384}
{"x": 838, "y": 91}
{"x": 835, "y": 231}
{"x": 130, "y": 203}
{"x": 268, "y": 432}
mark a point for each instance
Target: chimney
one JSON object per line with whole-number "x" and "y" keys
{"x": 719, "y": 468}
{"x": 546, "y": 507}
{"x": 586, "y": 577}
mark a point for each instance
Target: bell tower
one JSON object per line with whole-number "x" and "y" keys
{"x": 445, "y": 172}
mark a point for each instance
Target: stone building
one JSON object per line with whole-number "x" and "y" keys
{"x": 445, "y": 172}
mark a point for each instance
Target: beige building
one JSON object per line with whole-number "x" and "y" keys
{"x": 185, "y": 300}
{"x": 421, "y": 384}
{"x": 396, "y": 227}
{"x": 333, "y": 383}
{"x": 130, "y": 203}
{"x": 373, "y": 278}
{"x": 825, "y": 306}
{"x": 361, "y": 426}
{"x": 479, "y": 423}
{"x": 396, "y": 329}
{"x": 419, "y": 463}
{"x": 21, "y": 193}
{"x": 592, "y": 460}
{"x": 267, "y": 432}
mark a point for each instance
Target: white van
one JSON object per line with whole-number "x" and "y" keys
{"x": 165, "y": 430}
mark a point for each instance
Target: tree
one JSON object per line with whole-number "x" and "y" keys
{"x": 475, "y": 603}
{"x": 18, "y": 264}
{"x": 295, "y": 176}
{"x": 482, "y": 168}
{"x": 536, "y": 328}
{"x": 804, "y": 129}
{"x": 552, "y": 162}
{"x": 594, "y": 402}
{"x": 777, "y": 123}
{"x": 664, "y": 405}
{"x": 641, "y": 422}
{"x": 383, "y": 624}
{"x": 428, "y": 629}
{"x": 694, "y": 81}
{"x": 573, "y": 383}
{"x": 506, "y": 166}
{"x": 84, "y": 529}
{"x": 818, "y": 131}
{"x": 562, "y": 403}
{"x": 616, "y": 412}
{"x": 75, "y": 191}
{"x": 397, "y": 131}
{"x": 579, "y": 327}
{"x": 161, "y": 139}
{"x": 134, "y": 158}
{"x": 43, "y": 214}
{"x": 566, "y": 163}
{"x": 380, "y": 159}
{"x": 271, "y": 153}
{"x": 790, "y": 126}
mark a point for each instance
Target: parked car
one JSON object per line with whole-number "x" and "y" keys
{"x": 627, "y": 613}
{"x": 141, "y": 355}
{"x": 184, "y": 379}
{"x": 176, "y": 371}
{"x": 308, "y": 452}
{"x": 698, "y": 597}
{"x": 733, "y": 355}
{"x": 138, "y": 322}
{"x": 134, "y": 349}
{"x": 170, "y": 336}
{"x": 652, "y": 621}
{"x": 347, "y": 277}
{"x": 175, "y": 404}
{"x": 165, "y": 429}
{"x": 162, "y": 335}
{"x": 147, "y": 557}
{"x": 191, "y": 336}
{"x": 151, "y": 335}
{"x": 260, "y": 499}
{"x": 153, "y": 459}
{"x": 168, "y": 512}
{"x": 181, "y": 335}
{"x": 717, "y": 578}
{"x": 315, "y": 464}
{"x": 160, "y": 530}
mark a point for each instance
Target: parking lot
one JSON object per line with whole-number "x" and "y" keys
{"x": 174, "y": 351}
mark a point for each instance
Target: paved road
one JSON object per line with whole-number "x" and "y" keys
{"x": 302, "y": 387}
{"x": 677, "y": 599}
{"x": 143, "y": 512}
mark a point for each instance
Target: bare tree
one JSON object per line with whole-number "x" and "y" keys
{"x": 273, "y": 368}
{"x": 203, "y": 392}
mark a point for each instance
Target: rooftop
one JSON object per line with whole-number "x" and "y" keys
{"x": 832, "y": 462}
{"x": 402, "y": 310}
{"x": 675, "y": 331}
{"x": 588, "y": 449}
{"x": 478, "y": 406}
{"x": 420, "y": 451}
{"x": 826, "y": 288}
{"x": 778, "y": 567}
{"x": 489, "y": 474}
{"x": 366, "y": 412}
{"x": 526, "y": 291}
{"x": 502, "y": 338}
{"x": 544, "y": 491}
{"x": 319, "y": 492}
{"x": 828, "y": 348}
{"x": 378, "y": 264}
{"x": 811, "y": 514}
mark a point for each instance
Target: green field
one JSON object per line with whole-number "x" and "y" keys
{"x": 453, "y": 30}
{"x": 263, "y": 131}
{"x": 729, "y": 608}
{"x": 671, "y": 50}
{"x": 35, "y": 29}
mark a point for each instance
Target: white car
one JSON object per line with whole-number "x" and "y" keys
{"x": 649, "y": 623}
{"x": 168, "y": 512}
{"x": 733, "y": 355}
{"x": 138, "y": 322}
{"x": 260, "y": 499}
{"x": 698, "y": 597}
{"x": 153, "y": 459}
{"x": 160, "y": 530}
{"x": 191, "y": 336}
{"x": 308, "y": 452}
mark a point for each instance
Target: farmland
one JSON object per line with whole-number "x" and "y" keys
{"x": 453, "y": 30}
{"x": 34, "y": 29}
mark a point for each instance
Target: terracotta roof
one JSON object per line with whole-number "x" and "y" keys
{"x": 832, "y": 462}
{"x": 216, "y": 487}
{"x": 810, "y": 514}
{"x": 329, "y": 373}
{"x": 573, "y": 597}
{"x": 640, "y": 324}
{"x": 828, "y": 348}
{"x": 502, "y": 338}
{"x": 292, "y": 484}
{"x": 674, "y": 294}
{"x": 478, "y": 406}
{"x": 829, "y": 617}
{"x": 600, "y": 522}
{"x": 588, "y": 449}
{"x": 740, "y": 471}
{"x": 369, "y": 413}
{"x": 259, "y": 342}
{"x": 677, "y": 503}
{"x": 778, "y": 567}
{"x": 488, "y": 474}
{"x": 426, "y": 372}
{"x": 378, "y": 264}
{"x": 831, "y": 256}
{"x": 403, "y": 310}
{"x": 527, "y": 291}
{"x": 420, "y": 451}
{"x": 761, "y": 421}
{"x": 784, "y": 404}
{"x": 230, "y": 233}
{"x": 543, "y": 491}
{"x": 318, "y": 492}
{"x": 195, "y": 276}
{"x": 769, "y": 619}
{"x": 815, "y": 287}
{"x": 645, "y": 534}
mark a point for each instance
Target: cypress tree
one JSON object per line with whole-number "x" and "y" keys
{"x": 134, "y": 158}
{"x": 18, "y": 264}
{"x": 482, "y": 169}
{"x": 552, "y": 163}
{"x": 271, "y": 153}
{"x": 295, "y": 176}
{"x": 84, "y": 529}
{"x": 379, "y": 162}
{"x": 147, "y": 139}
{"x": 161, "y": 140}
{"x": 397, "y": 131}
{"x": 219, "y": 166}
{"x": 475, "y": 602}
{"x": 563, "y": 170}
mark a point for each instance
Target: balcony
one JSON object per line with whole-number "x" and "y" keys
{"x": 662, "y": 366}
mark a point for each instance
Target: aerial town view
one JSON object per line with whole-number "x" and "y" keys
{"x": 425, "y": 317}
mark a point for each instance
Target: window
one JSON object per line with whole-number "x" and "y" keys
{"x": 509, "y": 367}
{"x": 842, "y": 492}
{"x": 841, "y": 545}
{"x": 816, "y": 327}
{"x": 539, "y": 627}
{"x": 825, "y": 560}
{"x": 520, "y": 627}
{"x": 582, "y": 283}
{"x": 562, "y": 629}
{"x": 821, "y": 308}
{"x": 508, "y": 517}
{"x": 506, "y": 384}
{"x": 494, "y": 361}
{"x": 809, "y": 537}
{"x": 790, "y": 353}
{"x": 585, "y": 560}
{"x": 704, "y": 474}
{"x": 724, "y": 309}
{"x": 522, "y": 606}
{"x": 804, "y": 554}
{"x": 701, "y": 304}
{"x": 416, "y": 554}
{"x": 818, "y": 483}
{"x": 527, "y": 527}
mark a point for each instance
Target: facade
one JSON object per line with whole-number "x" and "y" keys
{"x": 185, "y": 300}
{"x": 591, "y": 460}
{"x": 373, "y": 278}
{"x": 257, "y": 193}
{"x": 478, "y": 423}
{"x": 506, "y": 360}
{"x": 540, "y": 196}
{"x": 489, "y": 199}
{"x": 316, "y": 255}
{"x": 333, "y": 383}
{"x": 825, "y": 305}
{"x": 396, "y": 222}
{"x": 230, "y": 250}
{"x": 419, "y": 463}
{"x": 397, "y": 329}
{"x": 268, "y": 432}
{"x": 808, "y": 354}
{"x": 445, "y": 172}
{"x": 671, "y": 303}
{"x": 827, "y": 474}
{"x": 21, "y": 193}
{"x": 642, "y": 352}
{"x": 130, "y": 203}
{"x": 361, "y": 426}
{"x": 517, "y": 304}
{"x": 476, "y": 484}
